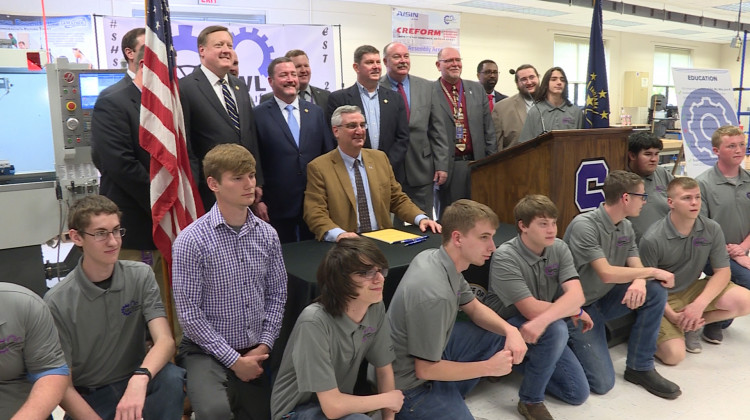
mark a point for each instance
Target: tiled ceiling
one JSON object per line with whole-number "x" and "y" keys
{"x": 561, "y": 12}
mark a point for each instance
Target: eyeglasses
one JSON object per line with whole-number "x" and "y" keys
{"x": 450, "y": 60}
{"x": 103, "y": 235}
{"x": 371, "y": 273}
{"x": 353, "y": 126}
{"x": 644, "y": 197}
{"x": 490, "y": 73}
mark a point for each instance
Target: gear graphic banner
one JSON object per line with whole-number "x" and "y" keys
{"x": 705, "y": 102}
{"x": 256, "y": 45}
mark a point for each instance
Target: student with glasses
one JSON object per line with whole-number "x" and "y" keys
{"x": 346, "y": 325}
{"x": 103, "y": 310}
{"x": 615, "y": 283}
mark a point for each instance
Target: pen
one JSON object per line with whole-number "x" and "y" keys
{"x": 415, "y": 241}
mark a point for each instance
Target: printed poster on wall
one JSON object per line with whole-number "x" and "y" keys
{"x": 256, "y": 46}
{"x": 706, "y": 102}
{"x": 426, "y": 32}
{"x": 68, "y": 36}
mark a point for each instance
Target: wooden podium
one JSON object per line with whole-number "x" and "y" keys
{"x": 549, "y": 164}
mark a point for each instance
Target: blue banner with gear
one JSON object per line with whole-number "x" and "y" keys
{"x": 256, "y": 45}
{"x": 706, "y": 102}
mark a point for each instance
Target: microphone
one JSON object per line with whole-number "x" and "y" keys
{"x": 541, "y": 118}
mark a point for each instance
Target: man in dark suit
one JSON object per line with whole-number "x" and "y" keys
{"x": 352, "y": 190}
{"x": 387, "y": 126}
{"x": 426, "y": 131}
{"x": 487, "y": 75}
{"x": 216, "y": 107}
{"x": 307, "y": 91}
{"x": 291, "y": 133}
{"x": 466, "y": 114}
{"x": 124, "y": 168}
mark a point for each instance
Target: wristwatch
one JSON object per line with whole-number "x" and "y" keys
{"x": 143, "y": 371}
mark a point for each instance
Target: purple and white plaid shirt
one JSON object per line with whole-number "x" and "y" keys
{"x": 229, "y": 287}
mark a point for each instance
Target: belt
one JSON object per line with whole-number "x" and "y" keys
{"x": 463, "y": 157}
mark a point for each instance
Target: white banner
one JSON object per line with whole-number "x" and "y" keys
{"x": 426, "y": 32}
{"x": 67, "y": 36}
{"x": 705, "y": 102}
{"x": 256, "y": 46}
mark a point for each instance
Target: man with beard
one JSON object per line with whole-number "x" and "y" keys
{"x": 387, "y": 126}
{"x": 487, "y": 75}
{"x": 509, "y": 114}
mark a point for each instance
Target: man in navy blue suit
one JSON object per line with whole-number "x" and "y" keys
{"x": 291, "y": 133}
{"x": 384, "y": 109}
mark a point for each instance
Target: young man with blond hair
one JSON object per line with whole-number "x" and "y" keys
{"x": 681, "y": 243}
{"x": 229, "y": 285}
{"x": 439, "y": 360}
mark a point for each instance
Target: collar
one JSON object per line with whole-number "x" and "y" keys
{"x": 345, "y": 324}
{"x": 602, "y": 215}
{"x": 131, "y": 74}
{"x": 528, "y": 256}
{"x": 448, "y": 85}
{"x": 363, "y": 91}
{"x": 212, "y": 77}
{"x": 394, "y": 83}
{"x": 743, "y": 175}
{"x": 282, "y": 105}
{"x": 89, "y": 289}
{"x": 673, "y": 233}
{"x": 348, "y": 160}
{"x": 454, "y": 277}
{"x": 217, "y": 219}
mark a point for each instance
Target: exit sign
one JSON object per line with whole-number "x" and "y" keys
{"x": 214, "y": 2}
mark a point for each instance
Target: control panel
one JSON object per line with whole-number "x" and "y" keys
{"x": 79, "y": 89}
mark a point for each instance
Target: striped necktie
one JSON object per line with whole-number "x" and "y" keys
{"x": 231, "y": 105}
{"x": 362, "y": 211}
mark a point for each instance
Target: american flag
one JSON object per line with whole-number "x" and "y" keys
{"x": 175, "y": 202}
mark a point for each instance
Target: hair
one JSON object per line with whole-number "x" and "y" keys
{"x": 228, "y": 157}
{"x": 482, "y": 63}
{"x": 294, "y": 53}
{"x": 531, "y": 207}
{"x": 724, "y": 131}
{"x": 524, "y": 67}
{"x": 79, "y": 215}
{"x": 643, "y": 140}
{"x": 203, "y": 36}
{"x": 463, "y": 215}
{"x": 684, "y": 182}
{"x": 541, "y": 92}
{"x": 130, "y": 39}
{"x": 618, "y": 183}
{"x": 340, "y": 111}
{"x": 348, "y": 256}
{"x": 362, "y": 50}
{"x": 276, "y": 61}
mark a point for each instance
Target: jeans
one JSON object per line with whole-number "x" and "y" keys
{"x": 312, "y": 411}
{"x": 591, "y": 347}
{"x": 445, "y": 400}
{"x": 551, "y": 365}
{"x": 164, "y": 396}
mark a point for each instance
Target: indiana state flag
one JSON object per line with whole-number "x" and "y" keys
{"x": 596, "y": 112}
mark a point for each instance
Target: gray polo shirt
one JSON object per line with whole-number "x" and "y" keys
{"x": 684, "y": 256}
{"x": 29, "y": 346}
{"x": 517, "y": 273}
{"x": 563, "y": 117}
{"x": 591, "y": 236}
{"x": 325, "y": 352}
{"x": 103, "y": 332}
{"x": 423, "y": 312}
{"x": 727, "y": 202}
{"x": 656, "y": 207}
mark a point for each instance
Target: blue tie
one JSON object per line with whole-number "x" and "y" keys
{"x": 293, "y": 125}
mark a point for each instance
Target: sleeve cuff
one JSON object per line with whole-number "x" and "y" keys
{"x": 62, "y": 370}
{"x": 332, "y": 234}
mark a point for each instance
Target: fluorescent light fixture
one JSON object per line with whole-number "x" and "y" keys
{"x": 622, "y": 23}
{"x": 512, "y": 8}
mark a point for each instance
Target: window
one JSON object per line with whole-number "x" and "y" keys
{"x": 664, "y": 59}
{"x": 572, "y": 54}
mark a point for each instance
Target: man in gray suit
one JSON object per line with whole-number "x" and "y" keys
{"x": 307, "y": 91}
{"x": 426, "y": 131}
{"x": 465, "y": 112}
{"x": 216, "y": 107}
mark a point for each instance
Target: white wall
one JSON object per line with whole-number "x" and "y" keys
{"x": 510, "y": 42}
